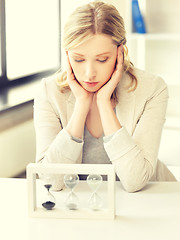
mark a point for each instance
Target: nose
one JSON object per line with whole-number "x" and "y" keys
{"x": 90, "y": 71}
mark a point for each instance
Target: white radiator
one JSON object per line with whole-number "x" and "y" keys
{"x": 17, "y": 148}
{"x": 17, "y": 139}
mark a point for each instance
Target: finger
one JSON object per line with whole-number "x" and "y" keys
{"x": 70, "y": 74}
{"x": 69, "y": 68}
{"x": 119, "y": 66}
{"x": 120, "y": 57}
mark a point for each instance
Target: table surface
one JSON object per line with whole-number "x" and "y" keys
{"x": 150, "y": 214}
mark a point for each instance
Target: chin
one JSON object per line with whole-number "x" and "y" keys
{"x": 92, "y": 89}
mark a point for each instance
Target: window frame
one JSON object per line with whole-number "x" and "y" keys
{"x": 4, "y": 81}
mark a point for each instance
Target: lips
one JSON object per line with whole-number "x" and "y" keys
{"x": 91, "y": 84}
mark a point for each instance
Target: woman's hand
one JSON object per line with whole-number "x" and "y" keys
{"x": 104, "y": 94}
{"x": 81, "y": 95}
{"x": 75, "y": 126}
{"x": 109, "y": 120}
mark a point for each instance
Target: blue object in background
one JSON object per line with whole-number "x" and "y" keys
{"x": 137, "y": 17}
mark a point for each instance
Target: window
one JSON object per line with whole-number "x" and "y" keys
{"x": 30, "y": 39}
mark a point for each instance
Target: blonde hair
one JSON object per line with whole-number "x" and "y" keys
{"x": 96, "y": 18}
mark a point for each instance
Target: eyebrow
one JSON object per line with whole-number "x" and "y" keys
{"x": 105, "y": 53}
{"x": 96, "y": 55}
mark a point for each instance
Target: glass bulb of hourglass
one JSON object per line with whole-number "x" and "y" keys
{"x": 49, "y": 200}
{"x": 72, "y": 201}
{"x": 94, "y": 181}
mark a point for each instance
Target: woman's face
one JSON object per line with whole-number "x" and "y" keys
{"x": 93, "y": 61}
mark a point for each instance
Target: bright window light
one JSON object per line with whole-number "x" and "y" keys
{"x": 32, "y": 36}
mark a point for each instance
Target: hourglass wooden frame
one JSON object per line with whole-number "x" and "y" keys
{"x": 52, "y": 168}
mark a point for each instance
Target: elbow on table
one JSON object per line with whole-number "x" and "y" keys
{"x": 136, "y": 178}
{"x": 137, "y": 183}
{"x": 132, "y": 189}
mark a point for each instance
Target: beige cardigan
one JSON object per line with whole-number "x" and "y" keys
{"x": 133, "y": 149}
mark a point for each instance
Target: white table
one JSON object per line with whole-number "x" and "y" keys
{"x": 151, "y": 214}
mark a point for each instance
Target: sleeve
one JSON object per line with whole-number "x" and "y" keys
{"x": 53, "y": 143}
{"x": 135, "y": 157}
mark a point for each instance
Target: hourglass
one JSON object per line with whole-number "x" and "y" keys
{"x": 48, "y": 201}
{"x": 72, "y": 201}
{"x": 94, "y": 182}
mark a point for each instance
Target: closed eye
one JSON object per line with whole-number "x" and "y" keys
{"x": 79, "y": 60}
{"x": 102, "y": 60}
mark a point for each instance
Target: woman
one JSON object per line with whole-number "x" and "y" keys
{"x": 102, "y": 109}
